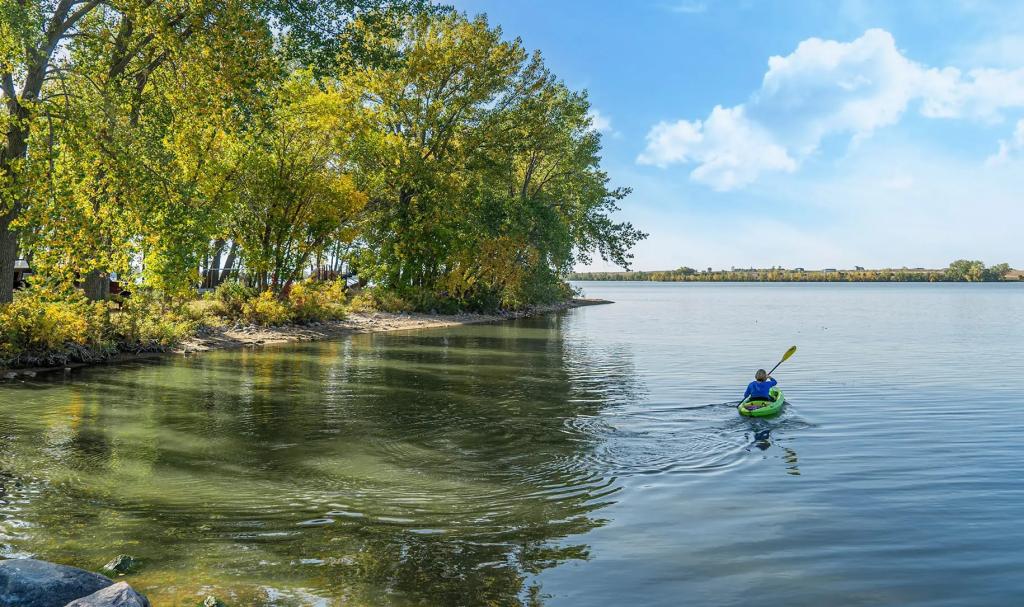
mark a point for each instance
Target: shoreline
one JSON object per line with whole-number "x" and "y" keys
{"x": 230, "y": 338}
{"x": 357, "y": 323}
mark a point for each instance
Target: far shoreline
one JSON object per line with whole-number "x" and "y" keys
{"x": 355, "y": 323}
{"x": 609, "y": 281}
{"x": 961, "y": 270}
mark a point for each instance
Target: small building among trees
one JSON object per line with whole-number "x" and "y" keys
{"x": 22, "y": 270}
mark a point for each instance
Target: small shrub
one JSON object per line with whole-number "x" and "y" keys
{"x": 382, "y": 300}
{"x": 44, "y": 326}
{"x": 304, "y": 302}
{"x": 232, "y": 297}
{"x": 420, "y": 300}
{"x": 363, "y": 301}
{"x": 425, "y": 300}
{"x": 143, "y": 323}
{"x": 311, "y": 301}
{"x": 266, "y": 309}
{"x": 203, "y": 312}
{"x": 140, "y": 331}
{"x": 41, "y": 324}
{"x": 390, "y": 301}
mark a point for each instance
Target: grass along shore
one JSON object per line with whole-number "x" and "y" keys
{"x": 223, "y": 336}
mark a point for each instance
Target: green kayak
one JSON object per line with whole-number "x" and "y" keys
{"x": 763, "y": 408}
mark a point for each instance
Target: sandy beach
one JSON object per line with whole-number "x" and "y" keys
{"x": 360, "y": 322}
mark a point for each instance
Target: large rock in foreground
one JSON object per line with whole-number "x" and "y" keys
{"x": 118, "y": 595}
{"x": 32, "y": 583}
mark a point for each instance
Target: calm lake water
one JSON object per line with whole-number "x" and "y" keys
{"x": 592, "y": 457}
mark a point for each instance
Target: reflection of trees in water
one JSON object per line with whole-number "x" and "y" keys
{"x": 469, "y": 422}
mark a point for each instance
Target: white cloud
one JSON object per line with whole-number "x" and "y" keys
{"x": 599, "y": 122}
{"x": 730, "y": 150}
{"x": 982, "y": 94}
{"x": 668, "y": 143}
{"x": 825, "y": 88}
{"x": 1009, "y": 148}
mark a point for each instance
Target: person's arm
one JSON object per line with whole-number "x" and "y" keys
{"x": 747, "y": 393}
{"x": 772, "y": 381}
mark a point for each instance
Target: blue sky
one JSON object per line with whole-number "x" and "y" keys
{"x": 814, "y": 134}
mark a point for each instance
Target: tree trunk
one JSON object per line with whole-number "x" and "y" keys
{"x": 212, "y": 270}
{"x": 229, "y": 264}
{"x": 8, "y": 253}
{"x": 16, "y": 148}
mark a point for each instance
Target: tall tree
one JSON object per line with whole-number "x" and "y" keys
{"x": 296, "y": 193}
{"x": 142, "y": 139}
{"x": 31, "y": 32}
{"x": 484, "y": 169}
{"x": 423, "y": 110}
{"x": 316, "y": 34}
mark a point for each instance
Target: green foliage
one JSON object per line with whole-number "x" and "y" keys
{"x": 310, "y": 301}
{"x": 544, "y": 287}
{"x": 233, "y": 297}
{"x": 422, "y": 299}
{"x": 999, "y": 271}
{"x": 266, "y": 309}
{"x": 965, "y": 270}
{"x": 379, "y": 299}
{"x": 304, "y": 302}
{"x": 482, "y": 169}
{"x": 295, "y": 191}
{"x": 143, "y": 323}
{"x": 315, "y": 32}
{"x": 41, "y": 321}
{"x": 44, "y": 326}
{"x": 205, "y": 312}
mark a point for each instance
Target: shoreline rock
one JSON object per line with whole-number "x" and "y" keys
{"x": 116, "y": 595}
{"x": 35, "y": 583}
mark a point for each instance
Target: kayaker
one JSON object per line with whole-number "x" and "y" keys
{"x": 759, "y": 389}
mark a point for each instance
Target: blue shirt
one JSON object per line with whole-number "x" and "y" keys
{"x": 760, "y": 388}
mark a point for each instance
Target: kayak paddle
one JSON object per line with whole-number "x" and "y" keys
{"x": 790, "y": 352}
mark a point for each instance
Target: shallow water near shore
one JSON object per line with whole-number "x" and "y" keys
{"x": 589, "y": 457}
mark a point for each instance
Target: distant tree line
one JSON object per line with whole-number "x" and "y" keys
{"x": 961, "y": 270}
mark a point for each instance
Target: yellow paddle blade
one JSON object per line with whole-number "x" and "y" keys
{"x": 789, "y": 352}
